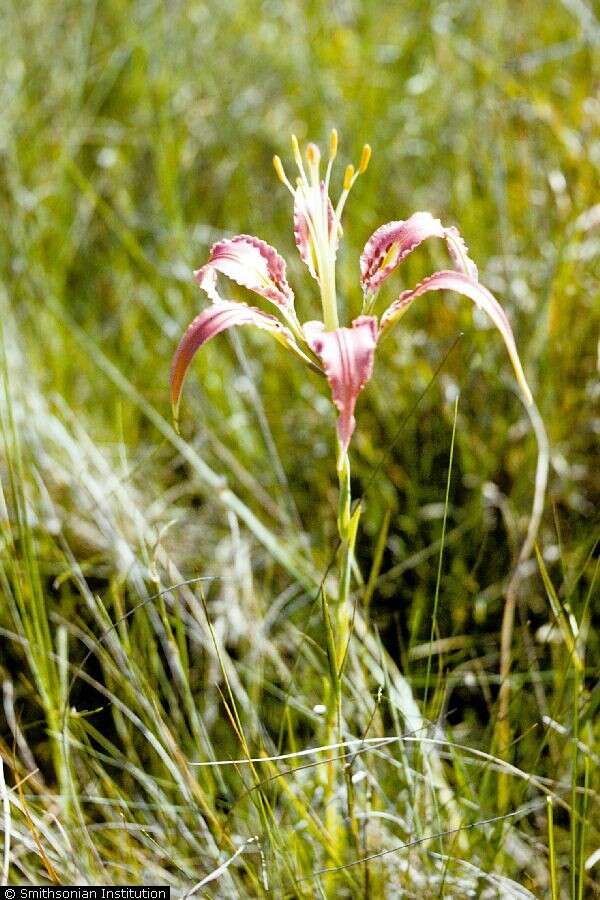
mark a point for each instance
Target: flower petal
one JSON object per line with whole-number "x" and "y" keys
{"x": 212, "y": 321}
{"x": 304, "y": 208}
{"x": 462, "y": 284}
{"x": 347, "y": 357}
{"x": 251, "y": 263}
{"x": 391, "y": 244}
{"x": 302, "y": 233}
{"x": 459, "y": 253}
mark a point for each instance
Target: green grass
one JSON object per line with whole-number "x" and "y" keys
{"x": 133, "y": 135}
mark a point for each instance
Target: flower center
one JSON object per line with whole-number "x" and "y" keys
{"x": 318, "y": 221}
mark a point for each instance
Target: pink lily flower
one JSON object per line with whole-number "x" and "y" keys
{"x": 345, "y": 355}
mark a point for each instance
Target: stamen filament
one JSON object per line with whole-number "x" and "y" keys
{"x": 340, "y": 207}
{"x": 298, "y": 158}
{"x": 350, "y": 177}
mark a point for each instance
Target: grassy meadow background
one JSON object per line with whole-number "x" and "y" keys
{"x": 132, "y": 136}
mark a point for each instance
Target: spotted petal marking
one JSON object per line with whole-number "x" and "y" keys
{"x": 211, "y": 322}
{"x": 462, "y": 284}
{"x": 392, "y": 243}
{"x": 251, "y": 263}
{"x": 347, "y": 357}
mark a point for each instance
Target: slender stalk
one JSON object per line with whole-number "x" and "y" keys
{"x": 575, "y": 828}
{"x": 502, "y": 731}
{"x": 551, "y": 850}
{"x": 377, "y": 562}
{"x": 583, "y": 827}
{"x": 336, "y": 619}
{"x": 441, "y": 557}
{"x": 7, "y": 826}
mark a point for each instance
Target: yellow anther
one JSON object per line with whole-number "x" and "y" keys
{"x": 389, "y": 257}
{"x": 296, "y": 149}
{"x": 313, "y": 155}
{"x": 348, "y": 177}
{"x": 364, "y": 159}
{"x": 333, "y": 144}
{"x": 278, "y": 166}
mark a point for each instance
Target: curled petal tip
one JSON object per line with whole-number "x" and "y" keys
{"x": 459, "y": 253}
{"x": 251, "y": 263}
{"x": 392, "y": 243}
{"x": 211, "y": 322}
{"x": 461, "y": 283}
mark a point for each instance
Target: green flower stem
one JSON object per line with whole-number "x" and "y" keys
{"x": 336, "y": 616}
{"x": 347, "y": 529}
{"x": 328, "y": 297}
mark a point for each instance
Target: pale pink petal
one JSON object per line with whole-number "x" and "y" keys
{"x": 302, "y": 232}
{"x": 207, "y": 325}
{"x": 392, "y": 243}
{"x": 462, "y": 284}
{"x": 301, "y": 227}
{"x": 251, "y": 263}
{"x": 459, "y": 253}
{"x": 347, "y": 357}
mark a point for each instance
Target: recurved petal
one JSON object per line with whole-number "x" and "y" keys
{"x": 391, "y": 244}
{"x": 251, "y": 263}
{"x": 462, "y": 284}
{"x": 211, "y": 322}
{"x": 459, "y": 253}
{"x": 347, "y": 358}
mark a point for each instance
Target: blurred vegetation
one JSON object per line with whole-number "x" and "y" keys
{"x": 132, "y": 136}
